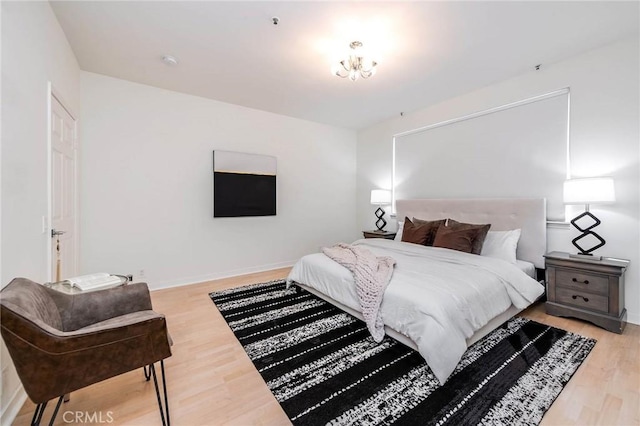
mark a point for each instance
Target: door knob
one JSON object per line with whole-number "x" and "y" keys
{"x": 55, "y": 232}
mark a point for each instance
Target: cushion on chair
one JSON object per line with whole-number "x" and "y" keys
{"x": 121, "y": 321}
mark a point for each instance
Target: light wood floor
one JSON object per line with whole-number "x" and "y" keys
{"x": 211, "y": 380}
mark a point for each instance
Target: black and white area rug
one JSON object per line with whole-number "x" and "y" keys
{"x": 324, "y": 368}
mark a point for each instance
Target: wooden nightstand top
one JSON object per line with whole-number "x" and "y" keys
{"x": 605, "y": 261}
{"x": 379, "y": 234}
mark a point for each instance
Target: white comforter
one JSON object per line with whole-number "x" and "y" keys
{"x": 437, "y": 297}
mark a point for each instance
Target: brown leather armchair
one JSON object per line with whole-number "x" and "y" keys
{"x": 61, "y": 342}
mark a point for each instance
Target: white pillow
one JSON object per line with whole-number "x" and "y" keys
{"x": 398, "y": 236}
{"x": 501, "y": 244}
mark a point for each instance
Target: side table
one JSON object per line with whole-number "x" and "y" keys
{"x": 591, "y": 290}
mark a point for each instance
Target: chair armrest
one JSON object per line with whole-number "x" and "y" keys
{"x": 118, "y": 329}
{"x": 82, "y": 309}
{"x": 41, "y": 337}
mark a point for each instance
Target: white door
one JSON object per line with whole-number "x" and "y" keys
{"x": 63, "y": 193}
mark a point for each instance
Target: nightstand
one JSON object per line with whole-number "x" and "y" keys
{"x": 379, "y": 234}
{"x": 591, "y": 290}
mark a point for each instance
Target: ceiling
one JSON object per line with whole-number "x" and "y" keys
{"x": 427, "y": 51}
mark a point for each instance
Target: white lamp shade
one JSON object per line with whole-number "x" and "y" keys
{"x": 597, "y": 190}
{"x": 380, "y": 196}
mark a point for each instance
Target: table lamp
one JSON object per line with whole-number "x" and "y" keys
{"x": 380, "y": 197}
{"x": 593, "y": 190}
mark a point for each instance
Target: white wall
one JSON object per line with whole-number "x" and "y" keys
{"x": 146, "y": 193}
{"x": 34, "y": 52}
{"x": 604, "y": 141}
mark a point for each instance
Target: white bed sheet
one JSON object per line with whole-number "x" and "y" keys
{"x": 431, "y": 298}
{"x": 527, "y": 267}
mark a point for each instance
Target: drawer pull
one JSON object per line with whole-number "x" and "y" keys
{"x": 575, "y": 296}
{"x": 575, "y": 280}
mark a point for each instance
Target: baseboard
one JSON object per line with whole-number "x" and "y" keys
{"x": 10, "y": 412}
{"x": 218, "y": 276}
{"x": 633, "y": 318}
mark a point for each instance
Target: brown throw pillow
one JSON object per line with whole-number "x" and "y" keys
{"x": 466, "y": 237}
{"x": 433, "y": 226}
{"x": 482, "y": 233}
{"x": 412, "y": 233}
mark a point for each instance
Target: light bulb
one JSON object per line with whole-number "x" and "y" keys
{"x": 367, "y": 64}
{"x": 368, "y": 73}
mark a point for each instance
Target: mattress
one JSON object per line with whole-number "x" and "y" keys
{"x": 527, "y": 267}
{"x": 437, "y": 297}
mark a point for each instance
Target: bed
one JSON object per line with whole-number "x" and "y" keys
{"x": 429, "y": 304}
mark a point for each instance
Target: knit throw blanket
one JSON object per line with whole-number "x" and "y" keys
{"x": 371, "y": 275}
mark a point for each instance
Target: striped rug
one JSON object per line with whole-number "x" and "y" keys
{"x": 324, "y": 368}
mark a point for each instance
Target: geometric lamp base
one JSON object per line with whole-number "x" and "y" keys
{"x": 587, "y": 236}
{"x": 380, "y": 223}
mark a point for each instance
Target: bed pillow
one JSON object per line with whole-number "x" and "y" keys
{"x": 501, "y": 244}
{"x": 482, "y": 233}
{"x": 433, "y": 226}
{"x": 412, "y": 233}
{"x": 466, "y": 237}
{"x": 455, "y": 239}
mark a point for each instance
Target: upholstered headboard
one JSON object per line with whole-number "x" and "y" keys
{"x": 528, "y": 214}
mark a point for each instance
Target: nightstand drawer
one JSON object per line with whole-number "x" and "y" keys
{"x": 581, "y": 281}
{"x": 584, "y": 300}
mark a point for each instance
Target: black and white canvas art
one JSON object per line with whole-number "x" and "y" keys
{"x": 243, "y": 184}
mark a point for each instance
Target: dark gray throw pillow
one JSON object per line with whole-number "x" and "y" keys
{"x": 412, "y": 233}
{"x": 466, "y": 237}
{"x": 433, "y": 226}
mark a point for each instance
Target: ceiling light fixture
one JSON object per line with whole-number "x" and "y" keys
{"x": 355, "y": 65}
{"x": 169, "y": 60}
